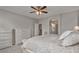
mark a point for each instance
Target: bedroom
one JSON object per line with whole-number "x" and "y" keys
{"x": 19, "y": 27}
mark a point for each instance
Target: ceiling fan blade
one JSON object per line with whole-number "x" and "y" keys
{"x": 33, "y": 7}
{"x": 44, "y": 12}
{"x": 43, "y": 7}
{"x": 38, "y": 7}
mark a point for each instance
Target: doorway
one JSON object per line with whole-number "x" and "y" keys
{"x": 40, "y": 29}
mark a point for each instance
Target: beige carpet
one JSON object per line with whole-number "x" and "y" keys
{"x": 13, "y": 49}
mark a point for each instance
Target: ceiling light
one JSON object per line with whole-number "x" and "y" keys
{"x": 39, "y": 10}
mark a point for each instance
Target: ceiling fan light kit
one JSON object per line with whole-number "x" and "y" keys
{"x": 39, "y": 13}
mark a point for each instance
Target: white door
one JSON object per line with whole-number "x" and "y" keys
{"x": 36, "y": 29}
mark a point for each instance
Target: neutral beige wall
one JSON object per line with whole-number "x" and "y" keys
{"x": 66, "y": 22}
{"x": 69, "y": 20}
{"x": 10, "y": 20}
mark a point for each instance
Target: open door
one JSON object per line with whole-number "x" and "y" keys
{"x": 40, "y": 29}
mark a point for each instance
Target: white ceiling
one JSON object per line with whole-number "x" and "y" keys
{"x": 52, "y": 10}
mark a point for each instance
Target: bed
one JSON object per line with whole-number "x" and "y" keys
{"x": 49, "y": 44}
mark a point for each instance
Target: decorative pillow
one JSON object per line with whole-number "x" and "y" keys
{"x": 65, "y": 34}
{"x": 72, "y": 39}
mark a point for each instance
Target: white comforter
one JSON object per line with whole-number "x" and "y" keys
{"x": 46, "y": 44}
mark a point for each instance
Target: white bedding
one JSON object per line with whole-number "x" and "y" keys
{"x": 46, "y": 44}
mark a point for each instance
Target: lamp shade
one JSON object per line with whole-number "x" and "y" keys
{"x": 76, "y": 28}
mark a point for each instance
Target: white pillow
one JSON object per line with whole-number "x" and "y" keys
{"x": 72, "y": 39}
{"x": 65, "y": 34}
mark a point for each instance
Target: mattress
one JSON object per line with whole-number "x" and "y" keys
{"x": 47, "y": 44}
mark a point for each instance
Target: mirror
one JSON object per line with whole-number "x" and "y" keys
{"x": 53, "y": 26}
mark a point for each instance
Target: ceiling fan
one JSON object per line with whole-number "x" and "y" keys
{"x": 39, "y": 10}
